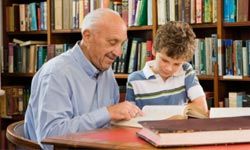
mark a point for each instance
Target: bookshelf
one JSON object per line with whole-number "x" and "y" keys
{"x": 214, "y": 83}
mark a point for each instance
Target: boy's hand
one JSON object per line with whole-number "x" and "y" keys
{"x": 124, "y": 111}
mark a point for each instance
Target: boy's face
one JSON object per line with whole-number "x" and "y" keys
{"x": 166, "y": 66}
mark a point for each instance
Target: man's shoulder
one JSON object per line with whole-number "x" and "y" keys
{"x": 56, "y": 64}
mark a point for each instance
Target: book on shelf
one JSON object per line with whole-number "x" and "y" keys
{"x": 238, "y": 77}
{"x": 11, "y": 103}
{"x": 17, "y": 41}
{"x": 191, "y": 132}
{"x": 162, "y": 112}
{"x": 30, "y": 42}
{"x": 2, "y": 92}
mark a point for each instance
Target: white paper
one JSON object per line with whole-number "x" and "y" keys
{"x": 153, "y": 112}
{"x": 229, "y": 112}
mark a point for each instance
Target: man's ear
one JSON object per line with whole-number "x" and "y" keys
{"x": 86, "y": 35}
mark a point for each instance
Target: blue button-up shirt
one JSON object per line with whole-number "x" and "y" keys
{"x": 68, "y": 95}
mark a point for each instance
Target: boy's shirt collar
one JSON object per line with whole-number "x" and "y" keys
{"x": 148, "y": 72}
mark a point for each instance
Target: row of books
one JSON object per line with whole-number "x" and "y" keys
{"x": 237, "y": 99}
{"x": 136, "y": 52}
{"x": 69, "y": 14}
{"x": 29, "y": 56}
{"x": 236, "y": 10}
{"x": 26, "y": 59}
{"x": 15, "y": 101}
{"x": 26, "y": 17}
{"x": 191, "y": 11}
{"x": 205, "y": 55}
{"x": 232, "y": 56}
{"x": 137, "y": 12}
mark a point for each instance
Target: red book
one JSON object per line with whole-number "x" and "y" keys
{"x": 149, "y": 50}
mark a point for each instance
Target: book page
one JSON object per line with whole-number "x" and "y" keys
{"x": 153, "y": 112}
{"x": 194, "y": 111}
{"x": 229, "y": 112}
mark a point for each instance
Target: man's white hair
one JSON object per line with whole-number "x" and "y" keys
{"x": 95, "y": 17}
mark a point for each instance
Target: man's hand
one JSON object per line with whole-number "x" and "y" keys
{"x": 124, "y": 111}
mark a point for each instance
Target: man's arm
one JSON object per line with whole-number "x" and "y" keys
{"x": 58, "y": 114}
{"x": 124, "y": 111}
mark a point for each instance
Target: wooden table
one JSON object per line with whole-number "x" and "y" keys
{"x": 119, "y": 138}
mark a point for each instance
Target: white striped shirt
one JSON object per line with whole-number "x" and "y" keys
{"x": 146, "y": 88}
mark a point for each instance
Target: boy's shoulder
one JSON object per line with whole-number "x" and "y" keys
{"x": 137, "y": 75}
{"x": 187, "y": 66}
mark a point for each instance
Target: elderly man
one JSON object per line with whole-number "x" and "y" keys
{"x": 76, "y": 91}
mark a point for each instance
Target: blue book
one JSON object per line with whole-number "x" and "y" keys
{"x": 33, "y": 16}
{"x": 232, "y": 10}
{"x": 226, "y": 10}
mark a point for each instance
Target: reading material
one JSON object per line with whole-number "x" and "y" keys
{"x": 161, "y": 112}
{"x": 170, "y": 133}
{"x": 229, "y": 112}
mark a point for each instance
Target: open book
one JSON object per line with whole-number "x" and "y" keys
{"x": 170, "y": 133}
{"x": 160, "y": 112}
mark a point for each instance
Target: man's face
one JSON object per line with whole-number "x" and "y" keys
{"x": 105, "y": 44}
{"x": 166, "y": 66}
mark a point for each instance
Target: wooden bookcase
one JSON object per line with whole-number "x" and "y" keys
{"x": 214, "y": 83}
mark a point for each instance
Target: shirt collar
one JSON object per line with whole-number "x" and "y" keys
{"x": 86, "y": 65}
{"x": 148, "y": 71}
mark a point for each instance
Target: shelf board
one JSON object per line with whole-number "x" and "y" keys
{"x": 121, "y": 76}
{"x": 204, "y": 25}
{"x": 117, "y": 76}
{"x": 13, "y": 117}
{"x": 18, "y": 74}
{"x": 66, "y": 31}
{"x": 201, "y": 77}
{"x": 137, "y": 28}
{"x": 237, "y": 24}
{"x": 245, "y": 78}
{"x": 205, "y": 77}
{"x": 27, "y": 33}
{"x": 79, "y": 30}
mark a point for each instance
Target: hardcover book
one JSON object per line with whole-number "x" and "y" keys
{"x": 171, "y": 133}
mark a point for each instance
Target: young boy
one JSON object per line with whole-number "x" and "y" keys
{"x": 169, "y": 79}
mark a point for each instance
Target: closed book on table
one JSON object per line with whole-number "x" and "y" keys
{"x": 171, "y": 133}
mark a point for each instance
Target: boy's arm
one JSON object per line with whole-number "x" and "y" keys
{"x": 201, "y": 103}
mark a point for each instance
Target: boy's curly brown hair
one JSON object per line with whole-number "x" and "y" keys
{"x": 176, "y": 39}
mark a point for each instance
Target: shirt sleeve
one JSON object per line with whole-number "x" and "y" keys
{"x": 56, "y": 113}
{"x": 130, "y": 95}
{"x": 193, "y": 87}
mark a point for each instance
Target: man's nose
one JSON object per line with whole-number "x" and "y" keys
{"x": 118, "y": 51}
